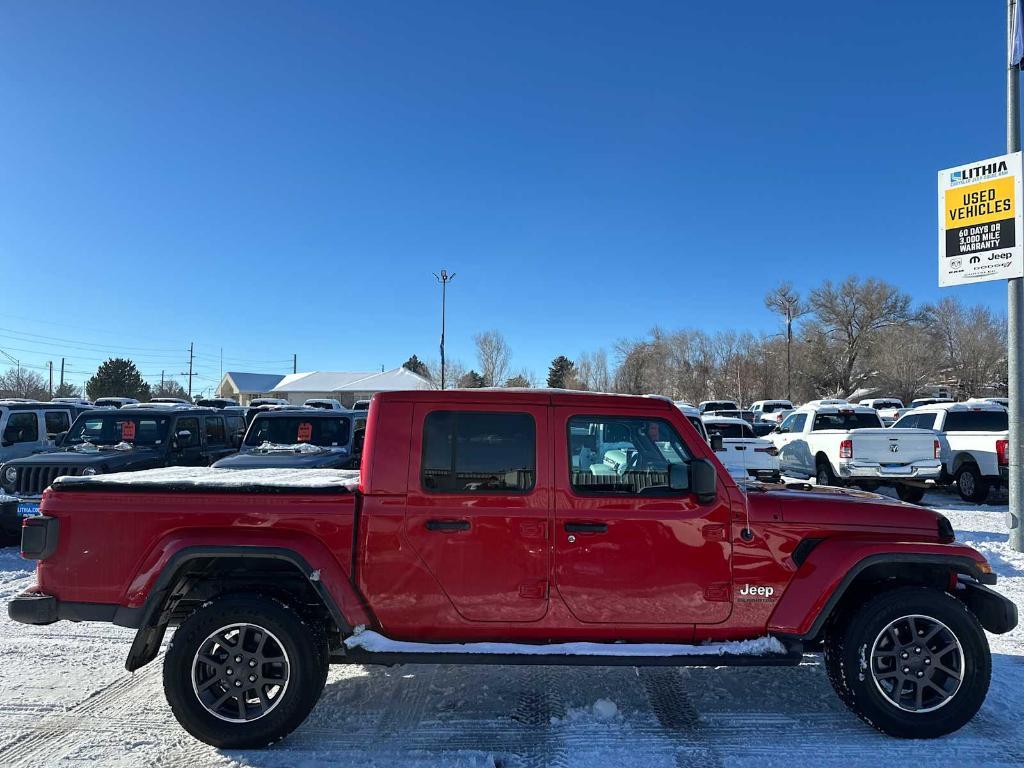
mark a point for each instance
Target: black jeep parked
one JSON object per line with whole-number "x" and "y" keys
{"x": 125, "y": 440}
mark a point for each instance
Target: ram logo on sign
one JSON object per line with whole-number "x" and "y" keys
{"x": 981, "y": 222}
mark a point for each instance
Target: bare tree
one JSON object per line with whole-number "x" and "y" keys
{"x": 21, "y": 382}
{"x": 906, "y": 361}
{"x": 494, "y": 355}
{"x": 849, "y": 317}
{"x": 786, "y": 302}
{"x": 973, "y": 344}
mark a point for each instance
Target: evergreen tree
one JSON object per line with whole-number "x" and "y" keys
{"x": 519, "y": 380}
{"x": 117, "y": 377}
{"x": 472, "y": 380}
{"x": 561, "y": 373}
{"x": 416, "y": 365}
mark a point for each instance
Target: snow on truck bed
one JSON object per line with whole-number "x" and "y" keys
{"x": 210, "y": 479}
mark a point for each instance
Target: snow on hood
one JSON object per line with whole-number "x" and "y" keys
{"x": 209, "y": 477}
{"x": 268, "y": 447}
{"x": 88, "y": 447}
{"x": 375, "y": 642}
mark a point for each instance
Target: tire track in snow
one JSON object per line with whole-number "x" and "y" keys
{"x": 45, "y": 742}
{"x": 678, "y": 716}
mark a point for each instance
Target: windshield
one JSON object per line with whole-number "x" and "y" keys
{"x": 326, "y": 433}
{"x": 883, "y": 404}
{"x": 846, "y": 420}
{"x": 719, "y": 405}
{"x": 776, "y": 407}
{"x": 113, "y": 428}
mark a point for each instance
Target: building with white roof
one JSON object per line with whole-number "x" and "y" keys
{"x": 296, "y": 388}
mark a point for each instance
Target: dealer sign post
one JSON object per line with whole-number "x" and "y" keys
{"x": 981, "y": 221}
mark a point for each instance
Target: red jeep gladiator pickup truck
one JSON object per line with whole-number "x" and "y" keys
{"x": 512, "y": 527}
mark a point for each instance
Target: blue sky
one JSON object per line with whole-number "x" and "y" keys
{"x": 279, "y": 178}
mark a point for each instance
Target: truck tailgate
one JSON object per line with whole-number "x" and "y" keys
{"x": 893, "y": 446}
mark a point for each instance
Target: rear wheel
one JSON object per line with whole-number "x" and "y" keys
{"x": 244, "y": 671}
{"x": 970, "y": 484}
{"x": 824, "y": 474}
{"x": 914, "y": 663}
{"x": 910, "y": 493}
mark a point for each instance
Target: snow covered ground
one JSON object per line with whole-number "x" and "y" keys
{"x": 65, "y": 700}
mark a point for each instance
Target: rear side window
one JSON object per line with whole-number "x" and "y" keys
{"x": 57, "y": 422}
{"x": 623, "y": 455}
{"x": 472, "y": 452}
{"x": 22, "y": 428}
{"x": 215, "y": 430}
{"x": 916, "y": 421}
{"x": 977, "y": 421}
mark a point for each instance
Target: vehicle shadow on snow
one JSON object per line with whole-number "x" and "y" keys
{"x": 526, "y": 716}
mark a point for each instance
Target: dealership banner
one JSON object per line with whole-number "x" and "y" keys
{"x": 980, "y": 221}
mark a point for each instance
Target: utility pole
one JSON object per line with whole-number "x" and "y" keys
{"x": 62, "y": 374}
{"x": 190, "y": 374}
{"x": 295, "y": 363}
{"x": 50, "y": 364}
{"x": 1015, "y": 307}
{"x": 444, "y": 278}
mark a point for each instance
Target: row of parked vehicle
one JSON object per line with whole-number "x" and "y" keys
{"x": 875, "y": 442}
{"x": 44, "y": 441}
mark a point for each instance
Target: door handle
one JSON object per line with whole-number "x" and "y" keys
{"x": 586, "y": 527}
{"x": 447, "y": 525}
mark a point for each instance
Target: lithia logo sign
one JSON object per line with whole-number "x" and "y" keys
{"x": 980, "y": 221}
{"x": 977, "y": 173}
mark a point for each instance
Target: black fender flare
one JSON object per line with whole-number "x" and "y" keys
{"x": 151, "y": 619}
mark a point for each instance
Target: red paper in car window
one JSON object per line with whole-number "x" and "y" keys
{"x": 305, "y": 432}
{"x": 127, "y": 431}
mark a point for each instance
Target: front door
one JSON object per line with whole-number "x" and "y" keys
{"x": 628, "y": 550}
{"x": 190, "y": 446}
{"x": 478, "y": 509}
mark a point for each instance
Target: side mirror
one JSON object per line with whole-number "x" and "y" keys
{"x": 703, "y": 481}
{"x": 716, "y": 443}
{"x": 357, "y": 441}
{"x": 678, "y": 477}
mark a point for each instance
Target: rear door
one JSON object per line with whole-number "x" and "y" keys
{"x": 478, "y": 509}
{"x": 627, "y": 549}
{"x": 217, "y": 444}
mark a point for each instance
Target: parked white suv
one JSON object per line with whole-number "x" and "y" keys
{"x": 837, "y": 443}
{"x": 771, "y": 410}
{"x": 693, "y": 416}
{"x": 745, "y": 456}
{"x": 975, "y": 443}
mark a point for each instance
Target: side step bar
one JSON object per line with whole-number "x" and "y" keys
{"x": 390, "y": 653}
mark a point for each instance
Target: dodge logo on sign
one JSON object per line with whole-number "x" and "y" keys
{"x": 894, "y": 447}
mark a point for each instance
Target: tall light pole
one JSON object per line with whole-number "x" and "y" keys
{"x": 443, "y": 278}
{"x": 1015, "y": 317}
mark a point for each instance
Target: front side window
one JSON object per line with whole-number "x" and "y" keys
{"x": 22, "y": 428}
{"x": 192, "y": 427}
{"x": 623, "y": 455}
{"x": 472, "y": 452}
{"x": 57, "y": 422}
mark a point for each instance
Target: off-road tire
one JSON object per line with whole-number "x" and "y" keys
{"x": 910, "y": 493}
{"x": 970, "y": 484}
{"x": 848, "y": 646}
{"x": 304, "y": 642}
{"x": 824, "y": 475}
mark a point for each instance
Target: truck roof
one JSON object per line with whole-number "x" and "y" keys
{"x": 537, "y": 396}
{"x": 818, "y": 406}
{"x": 723, "y": 420}
{"x": 976, "y": 405}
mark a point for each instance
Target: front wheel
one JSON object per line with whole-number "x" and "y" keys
{"x": 244, "y": 671}
{"x": 914, "y": 663}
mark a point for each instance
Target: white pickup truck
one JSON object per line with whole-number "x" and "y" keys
{"x": 837, "y": 443}
{"x": 889, "y": 408}
{"x": 974, "y": 440}
{"x": 746, "y": 456}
